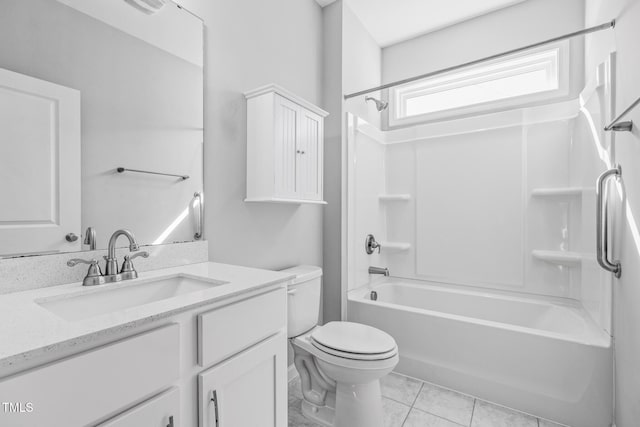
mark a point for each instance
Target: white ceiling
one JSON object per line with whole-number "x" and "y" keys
{"x": 392, "y": 21}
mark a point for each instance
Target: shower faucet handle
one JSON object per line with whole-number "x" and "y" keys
{"x": 370, "y": 244}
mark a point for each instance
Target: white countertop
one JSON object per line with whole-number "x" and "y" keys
{"x": 29, "y": 331}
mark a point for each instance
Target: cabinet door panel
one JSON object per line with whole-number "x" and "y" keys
{"x": 286, "y": 134}
{"x": 159, "y": 411}
{"x": 95, "y": 384}
{"x": 250, "y": 389}
{"x": 39, "y": 165}
{"x": 310, "y": 156}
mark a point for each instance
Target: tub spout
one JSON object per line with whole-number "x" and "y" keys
{"x": 379, "y": 270}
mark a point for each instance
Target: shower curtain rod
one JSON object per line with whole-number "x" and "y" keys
{"x": 600, "y": 27}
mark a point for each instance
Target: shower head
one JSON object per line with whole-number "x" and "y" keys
{"x": 380, "y": 105}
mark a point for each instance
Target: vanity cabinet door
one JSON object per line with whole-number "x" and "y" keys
{"x": 249, "y": 389}
{"x": 159, "y": 411}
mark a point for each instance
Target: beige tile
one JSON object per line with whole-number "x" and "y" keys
{"x": 400, "y": 388}
{"x": 296, "y": 419}
{"x": 445, "y": 403}
{"x": 394, "y": 413}
{"x": 546, "y": 423}
{"x": 488, "y": 415}
{"x": 295, "y": 392}
{"x": 418, "y": 418}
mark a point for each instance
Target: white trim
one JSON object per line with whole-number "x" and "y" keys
{"x": 557, "y": 68}
{"x": 564, "y": 110}
{"x": 289, "y": 201}
{"x": 286, "y": 94}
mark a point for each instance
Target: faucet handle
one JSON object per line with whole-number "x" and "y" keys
{"x": 127, "y": 265}
{"x": 371, "y": 245}
{"x": 94, "y": 268}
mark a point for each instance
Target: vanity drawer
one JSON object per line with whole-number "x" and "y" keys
{"x": 159, "y": 411}
{"x": 228, "y": 330}
{"x": 81, "y": 389}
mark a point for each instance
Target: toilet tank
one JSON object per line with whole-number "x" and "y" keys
{"x": 303, "y": 302}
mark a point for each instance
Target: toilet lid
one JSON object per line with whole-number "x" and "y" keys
{"x": 354, "y": 338}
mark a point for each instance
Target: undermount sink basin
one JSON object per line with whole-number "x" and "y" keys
{"x": 115, "y": 297}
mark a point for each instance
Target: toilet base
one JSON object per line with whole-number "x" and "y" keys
{"x": 323, "y": 415}
{"x": 357, "y": 405}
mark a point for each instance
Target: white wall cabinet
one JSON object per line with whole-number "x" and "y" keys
{"x": 249, "y": 389}
{"x": 285, "y": 143}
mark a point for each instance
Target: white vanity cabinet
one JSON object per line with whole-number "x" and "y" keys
{"x": 96, "y": 384}
{"x": 165, "y": 374}
{"x": 285, "y": 144}
{"x": 159, "y": 411}
{"x": 248, "y": 385}
{"x": 248, "y": 389}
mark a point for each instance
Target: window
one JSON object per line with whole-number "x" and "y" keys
{"x": 509, "y": 82}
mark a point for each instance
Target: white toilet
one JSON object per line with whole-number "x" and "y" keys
{"x": 341, "y": 363}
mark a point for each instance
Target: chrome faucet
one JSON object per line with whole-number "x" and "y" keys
{"x": 94, "y": 275}
{"x": 379, "y": 270}
{"x": 112, "y": 262}
{"x": 90, "y": 238}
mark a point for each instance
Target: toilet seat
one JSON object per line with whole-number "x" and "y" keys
{"x": 354, "y": 356}
{"x": 353, "y": 341}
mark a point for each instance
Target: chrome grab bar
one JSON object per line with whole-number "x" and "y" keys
{"x": 199, "y": 216}
{"x": 602, "y": 231}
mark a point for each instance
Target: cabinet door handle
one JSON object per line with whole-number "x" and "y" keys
{"x": 300, "y": 151}
{"x": 214, "y": 399}
{"x": 170, "y": 421}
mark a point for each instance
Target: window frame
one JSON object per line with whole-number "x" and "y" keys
{"x": 480, "y": 73}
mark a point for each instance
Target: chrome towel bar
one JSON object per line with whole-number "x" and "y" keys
{"x": 121, "y": 170}
{"x": 602, "y": 229}
{"x": 617, "y": 125}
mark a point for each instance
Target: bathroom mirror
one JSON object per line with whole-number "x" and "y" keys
{"x": 101, "y": 123}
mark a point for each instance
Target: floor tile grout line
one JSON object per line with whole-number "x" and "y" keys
{"x": 439, "y": 417}
{"x": 415, "y": 399}
{"x": 473, "y": 411}
{"x": 414, "y": 402}
{"x": 397, "y": 401}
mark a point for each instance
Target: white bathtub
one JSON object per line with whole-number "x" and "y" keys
{"x": 544, "y": 356}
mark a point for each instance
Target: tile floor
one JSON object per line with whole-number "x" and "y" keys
{"x": 408, "y": 402}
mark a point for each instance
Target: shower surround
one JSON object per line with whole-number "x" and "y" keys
{"x": 487, "y": 226}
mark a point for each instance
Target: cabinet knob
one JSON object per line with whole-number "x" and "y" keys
{"x": 300, "y": 151}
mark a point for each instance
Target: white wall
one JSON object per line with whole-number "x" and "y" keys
{"x": 516, "y": 26}
{"x": 333, "y": 157}
{"x": 361, "y": 66}
{"x": 352, "y": 62}
{"x": 627, "y": 153}
{"x": 250, "y": 43}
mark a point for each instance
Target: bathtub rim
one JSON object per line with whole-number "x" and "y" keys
{"x": 592, "y": 336}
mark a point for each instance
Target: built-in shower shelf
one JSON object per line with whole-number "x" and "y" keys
{"x": 559, "y": 191}
{"x": 395, "y": 246}
{"x": 558, "y": 257}
{"x": 394, "y": 197}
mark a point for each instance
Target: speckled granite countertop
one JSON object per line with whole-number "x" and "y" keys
{"x": 29, "y": 331}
